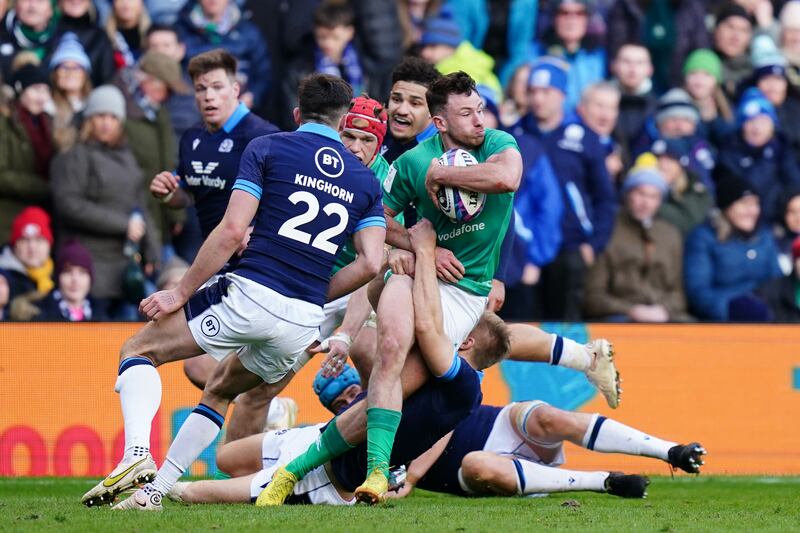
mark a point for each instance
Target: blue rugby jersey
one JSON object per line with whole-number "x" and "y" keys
{"x": 469, "y": 436}
{"x": 208, "y": 162}
{"x": 314, "y": 195}
{"x": 428, "y": 415}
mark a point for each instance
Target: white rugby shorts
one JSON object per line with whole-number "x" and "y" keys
{"x": 269, "y": 330}
{"x": 280, "y": 447}
{"x": 461, "y": 311}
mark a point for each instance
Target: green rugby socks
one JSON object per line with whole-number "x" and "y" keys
{"x": 329, "y": 445}
{"x": 381, "y": 429}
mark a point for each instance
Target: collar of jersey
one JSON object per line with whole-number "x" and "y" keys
{"x": 427, "y": 133}
{"x": 237, "y": 116}
{"x": 320, "y": 129}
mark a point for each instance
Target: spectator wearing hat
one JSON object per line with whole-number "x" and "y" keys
{"x": 26, "y": 257}
{"x": 787, "y": 228}
{"x": 567, "y": 39}
{"x": 733, "y": 32}
{"x": 69, "y": 301}
{"x": 578, "y": 159}
{"x": 126, "y": 27}
{"x": 79, "y": 18}
{"x": 208, "y": 24}
{"x": 182, "y": 108}
{"x": 676, "y": 117}
{"x": 632, "y": 72}
{"x": 25, "y": 147}
{"x": 760, "y": 155}
{"x": 782, "y": 295}
{"x": 599, "y": 110}
{"x": 31, "y": 26}
{"x": 770, "y": 77}
{"x": 727, "y": 258}
{"x": 70, "y": 76}
{"x": 638, "y": 278}
{"x": 443, "y": 46}
{"x": 688, "y": 201}
{"x": 100, "y": 199}
{"x": 703, "y": 75}
{"x": 148, "y": 127}
{"x": 669, "y": 30}
{"x": 789, "y": 43}
{"x": 503, "y": 30}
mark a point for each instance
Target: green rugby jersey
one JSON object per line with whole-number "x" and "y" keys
{"x": 475, "y": 243}
{"x": 347, "y": 255}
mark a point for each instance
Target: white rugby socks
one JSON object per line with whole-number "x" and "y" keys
{"x": 139, "y": 388}
{"x": 609, "y": 436}
{"x": 568, "y": 353}
{"x": 533, "y": 478}
{"x": 197, "y": 433}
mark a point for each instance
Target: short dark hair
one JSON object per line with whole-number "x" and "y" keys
{"x": 456, "y": 83}
{"x": 415, "y": 70}
{"x": 492, "y": 341}
{"x": 163, "y": 27}
{"x": 212, "y": 60}
{"x": 323, "y": 98}
{"x": 333, "y": 14}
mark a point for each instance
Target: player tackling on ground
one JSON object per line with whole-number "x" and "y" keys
{"x": 308, "y": 196}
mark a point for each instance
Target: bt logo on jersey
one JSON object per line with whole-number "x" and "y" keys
{"x": 329, "y": 162}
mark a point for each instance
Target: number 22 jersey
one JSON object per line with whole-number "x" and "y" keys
{"x": 314, "y": 195}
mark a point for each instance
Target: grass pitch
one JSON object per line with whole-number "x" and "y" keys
{"x": 685, "y": 503}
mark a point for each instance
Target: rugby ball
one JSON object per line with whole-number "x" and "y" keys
{"x": 460, "y": 205}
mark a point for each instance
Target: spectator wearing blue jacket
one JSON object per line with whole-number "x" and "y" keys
{"x": 578, "y": 159}
{"x": 502, "y": 29}
{"x": 760, "y": 155}
{"x": 208, "y": 24}
{"x": 729, "y": 257}
{"x": 539, "y": 207}
{"x": 568, "y": 40}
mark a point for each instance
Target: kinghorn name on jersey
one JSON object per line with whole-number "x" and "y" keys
{"x": 466, "y": 228}
{"x": 324, "y": 186}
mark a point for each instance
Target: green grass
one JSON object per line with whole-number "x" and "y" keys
{"x": 684, "y": 504}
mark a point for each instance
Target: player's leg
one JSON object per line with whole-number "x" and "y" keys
{"x": 197, "y": 369}
{"x": 139, "y": 386}
{"x": 543, "y": 425}
{"x": 596, "y": 359}
{"x": 241, "y": 457}
{"x": 234, "y": 490}
{"x": 385, "y": 394}
{"x": 486, "y": 473}
{"x": 251, "y": 408}
{"x": 364, "y": 350}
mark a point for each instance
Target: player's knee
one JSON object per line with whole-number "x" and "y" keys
{"x": 196, "y": 372}
{"x": 390, "y": 351}
{"x": 479, "y": 467}
{"x": 258, "y": 398}
{"x": 134, "y": 347}
{"x": 544, "y": 421}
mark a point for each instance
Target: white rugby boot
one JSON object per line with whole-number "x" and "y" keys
{"x": 603, "y": 372}
{"x": 124, "y": 477}
{"x": 145, "y": 499}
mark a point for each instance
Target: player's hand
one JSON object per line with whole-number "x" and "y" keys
{"x": 448, "y": 268}
{"x": 431, "y": 184}
{"x": 402, "y": 492}
{"x": 163, "y": 184}
{"x": 160, "y": 304}
{"x": 338, "y": 348}
{"x": 422, "y": 236}
{"x": 401, "y": 262}
{"x": 497, "y": 296}
{"x": 245, "y": 240}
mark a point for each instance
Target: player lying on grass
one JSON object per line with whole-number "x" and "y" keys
{"x": 429, "y": 414}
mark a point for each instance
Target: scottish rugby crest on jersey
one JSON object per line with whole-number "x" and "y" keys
{"x": 314, "y": 196}
{"x": 209, "y": 162}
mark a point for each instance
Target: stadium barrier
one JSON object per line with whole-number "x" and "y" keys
{"x": 735, "y": 388}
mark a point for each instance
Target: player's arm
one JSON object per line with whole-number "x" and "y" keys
{"x": 368, "y": 243}
{"x": 420, "y": 466}
{"x": 396, "y": 233}
{"x": 166, "y": 186}
{"x": 215, "y": 252}
{"x": 500, "y": 173}
{"x": 436, "y": 348}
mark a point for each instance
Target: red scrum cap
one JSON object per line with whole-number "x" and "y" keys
{"x": 367, "y": 115}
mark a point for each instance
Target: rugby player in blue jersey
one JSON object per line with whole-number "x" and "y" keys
{"x": 208, "y": 165}
{"x": 308, "y": 196}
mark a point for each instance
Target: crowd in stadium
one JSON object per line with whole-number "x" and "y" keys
{"x": 660, "y": 143}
